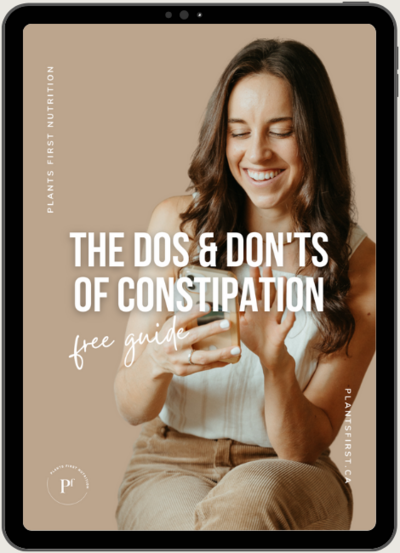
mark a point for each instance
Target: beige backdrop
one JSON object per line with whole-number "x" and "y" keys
{"x": 128, "y": 104}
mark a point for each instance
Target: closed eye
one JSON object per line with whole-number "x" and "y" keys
{"x": 281, "y": 134}
{"x": 272, "y": 133}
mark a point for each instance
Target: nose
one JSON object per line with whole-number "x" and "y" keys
{"x": 259, "y": 149}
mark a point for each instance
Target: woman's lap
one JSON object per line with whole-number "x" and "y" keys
{"x": 163, "y": 501}
{"x": 276, "y": 494}
{"x": 176, "y": 481}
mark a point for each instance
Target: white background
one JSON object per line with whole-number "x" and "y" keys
{"x": 392, "y": 5}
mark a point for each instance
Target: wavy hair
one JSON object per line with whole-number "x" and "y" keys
{"x": 322, "y": 202}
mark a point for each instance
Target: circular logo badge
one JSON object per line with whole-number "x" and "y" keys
{"x": 67, "y": 484}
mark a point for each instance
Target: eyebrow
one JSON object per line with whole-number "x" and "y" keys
{"x": 274, "y": 120}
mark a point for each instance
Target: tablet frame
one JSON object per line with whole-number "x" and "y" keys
{"x": 387, "y": 85}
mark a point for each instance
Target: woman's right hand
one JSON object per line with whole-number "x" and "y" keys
{"x": 172, "y": 356}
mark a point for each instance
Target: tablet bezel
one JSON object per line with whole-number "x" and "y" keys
{"x": 386, "y": 81}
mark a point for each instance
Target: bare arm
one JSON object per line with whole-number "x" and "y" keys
{"x": 300, "y": 424}
{"x": 140, "y": 389}
{"x": 141, "y": 386}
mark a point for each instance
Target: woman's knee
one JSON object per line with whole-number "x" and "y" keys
{"x": 164, "y": 500}
{"x": 271, "y": 494}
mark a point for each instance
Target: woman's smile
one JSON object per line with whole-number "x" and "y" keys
{"x": 261, "y": 178}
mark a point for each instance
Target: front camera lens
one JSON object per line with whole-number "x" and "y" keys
{"x": 184, "y": 14}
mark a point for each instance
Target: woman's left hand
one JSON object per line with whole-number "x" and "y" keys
{"x": 264, "y": 332}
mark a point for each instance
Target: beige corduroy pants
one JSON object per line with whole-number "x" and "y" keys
{"x": 177, "y": 481}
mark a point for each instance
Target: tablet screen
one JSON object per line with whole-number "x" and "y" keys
{"x": 113, "y": 126}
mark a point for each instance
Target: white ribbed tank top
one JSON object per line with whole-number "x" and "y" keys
{"x": 228, "y": 402}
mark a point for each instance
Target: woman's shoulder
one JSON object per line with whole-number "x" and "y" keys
{"x": 166, "y": 215}
{"x": 356, "y": 237}
{"x": 363, "y": 258}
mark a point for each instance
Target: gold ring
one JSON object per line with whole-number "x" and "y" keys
{"x": 190, "y": 356}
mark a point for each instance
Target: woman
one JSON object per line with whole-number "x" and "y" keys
{"x": 246, "y": 446}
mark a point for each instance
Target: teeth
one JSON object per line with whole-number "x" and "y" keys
{"x": 264, "y": 176}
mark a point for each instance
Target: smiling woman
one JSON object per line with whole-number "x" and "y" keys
{"x": 245, "y": 446}
{"x": 261, "y": 147}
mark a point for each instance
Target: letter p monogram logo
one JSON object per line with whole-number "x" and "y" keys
{"x": 66, "y": 483}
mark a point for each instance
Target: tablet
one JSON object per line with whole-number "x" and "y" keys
{"x": 140, "y": 139}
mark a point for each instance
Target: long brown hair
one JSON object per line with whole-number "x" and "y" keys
{"x": 322, "y": 202}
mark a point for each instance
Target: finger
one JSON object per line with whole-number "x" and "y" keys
{"x": 215, "y": 365}
{"x": 243, "y": 320}
{"x": 201, "y": 358}
{"x": 255, "y": 275}
{"x": 183, "y": 319}
{"x": 267, "y": 273}
{"x": 186, "y": 370}
{"x": 279, "y": 314}
{"x": 288, "y": 323}
{"x": 200, "y": 332}
{"x": 200, "y": 368}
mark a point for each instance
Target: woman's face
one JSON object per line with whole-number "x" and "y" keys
{"x": 261, "y": 147}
